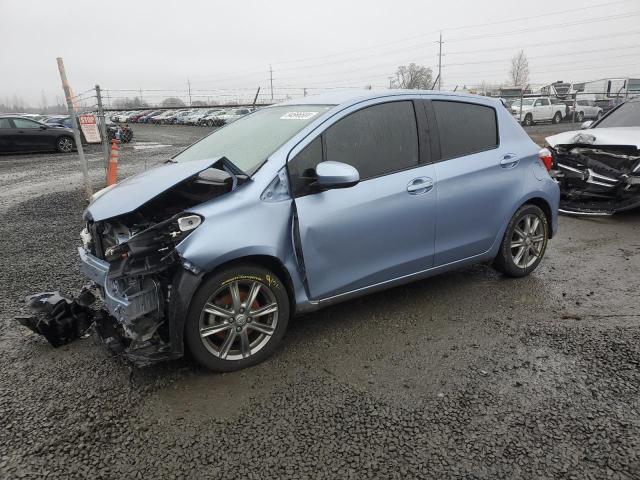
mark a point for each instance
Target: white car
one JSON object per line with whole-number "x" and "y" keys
{"x": 230, "y": 116}
{"x": 538, "y": 109}
{"x": 584, "y": 109}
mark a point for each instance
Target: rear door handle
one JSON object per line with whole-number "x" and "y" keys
{"x": 509, "y": 160}
{"x": 420, "y": 185}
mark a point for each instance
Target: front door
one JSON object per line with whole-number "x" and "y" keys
{"x": 29, "y": 136}
{"x": 383, "y": 227}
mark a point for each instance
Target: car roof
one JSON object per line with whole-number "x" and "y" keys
{"x": 345, "y": 97}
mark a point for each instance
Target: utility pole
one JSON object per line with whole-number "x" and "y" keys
{"x": 140, "y": 96}
{"x": 271, "y": 81}
{"x": 103, "y": 128}
{"x": 255, "y": 99}
{"x": 304, "y": 92}
{"x": 189, "y": 87}
{"x": 440, "y": 42}
{"x": 76, "y": 133}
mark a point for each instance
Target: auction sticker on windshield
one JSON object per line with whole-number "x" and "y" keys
{"x": 298, "y": 115}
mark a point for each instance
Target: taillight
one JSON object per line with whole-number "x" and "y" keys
{"x": 546, "y": 158}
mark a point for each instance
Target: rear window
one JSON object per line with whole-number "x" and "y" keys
{"x": 465, "y": 128}
{"x": 626, "y": 115}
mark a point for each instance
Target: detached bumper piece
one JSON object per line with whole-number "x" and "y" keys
{"x": 59, "y": 319}
{"x": 597, "y": 180}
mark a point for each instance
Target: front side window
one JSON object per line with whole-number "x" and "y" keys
{"x": 302, "y": 168}
{"x": 24, "y": 123}
{"x": 465, "y": 128}
{"x": 376, "y": 140}
{"x": 250, "y": 140}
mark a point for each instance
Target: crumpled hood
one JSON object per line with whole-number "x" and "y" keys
{"x": 133, "y": 192}
{"x": 598, "y": 136}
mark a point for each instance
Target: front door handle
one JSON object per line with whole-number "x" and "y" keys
{"x": 509, "y": 160}
{"x": 420, "y": 185}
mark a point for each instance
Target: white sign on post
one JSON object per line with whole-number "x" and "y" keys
{"x": 89, "y": 128}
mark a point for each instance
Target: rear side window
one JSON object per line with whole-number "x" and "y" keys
{"x": 5, "y": 123}
{"x": 376, "y": 140}
{"x": 465, "y": 128}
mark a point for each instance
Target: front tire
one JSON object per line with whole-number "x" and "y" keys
{"x": 524, "y": 242}
{"x": 65, "y": 145}
{"x": 580, "y": 116}
{"x": 528, "y": 120}
{"x": 237, "y": 318}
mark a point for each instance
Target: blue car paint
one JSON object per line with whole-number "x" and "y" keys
{"x": 464, "y": 214}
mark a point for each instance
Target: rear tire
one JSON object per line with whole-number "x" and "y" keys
{"x": 65, "y": 144}
{"x": 580, "y": 116}
{"x": 557, "y": 118}
{"x": 225, "y": 329}
{"x": 524, "y": 243}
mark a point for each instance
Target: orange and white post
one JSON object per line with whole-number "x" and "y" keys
{"x": 112, "y": 170}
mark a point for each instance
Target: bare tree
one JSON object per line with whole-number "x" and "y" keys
{"x": 172, "y": 102}
{"x": 413, "y": 77}
{"x": 519, "y": 73}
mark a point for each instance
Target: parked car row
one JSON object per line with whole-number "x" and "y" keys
{"x": 532, "y": 110}
{"x": 210, "y": 117}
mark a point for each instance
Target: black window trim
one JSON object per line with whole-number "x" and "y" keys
{"x": 420, "y": 141}
{"x": 435, "y": 137}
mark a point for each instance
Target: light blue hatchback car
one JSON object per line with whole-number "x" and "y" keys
{"x": 308, "y": 203}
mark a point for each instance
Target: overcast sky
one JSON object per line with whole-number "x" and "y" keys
{"x": 228, "y": 46}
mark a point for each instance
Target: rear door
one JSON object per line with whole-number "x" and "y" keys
{"x": 383, "y": 227}
{"x": 478, "y": 177}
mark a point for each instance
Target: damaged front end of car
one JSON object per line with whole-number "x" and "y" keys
{"x": 129, "y": 254}
{"x": 596, "y": 179}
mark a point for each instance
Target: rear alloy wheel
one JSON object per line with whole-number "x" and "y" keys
{"x": 210, "y": 123}
{"x": 557, "y": 118}
{"x": 524, "y": 242}
{"x": 65, "y": 144}
{"x": 580, "y": 116}
{"x": 528, "y": 120}
{"x": 237, "y": 318}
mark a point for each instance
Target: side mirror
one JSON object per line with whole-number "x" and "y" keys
{"x": 336, "y": 175}
{"x": 586, "y": 124}
{"x": 43, "y": 127}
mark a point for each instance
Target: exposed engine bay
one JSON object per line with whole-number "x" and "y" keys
{"x": 598, "y": 179}
{"x": 134, "y": 268}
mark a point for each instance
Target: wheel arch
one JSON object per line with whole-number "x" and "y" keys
{"x": 266, "y": 261}
{"x": 545, "y": 207}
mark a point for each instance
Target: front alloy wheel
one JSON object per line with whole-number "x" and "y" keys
{"x": 524, "y": 242}
{"x": 237, "y": 318}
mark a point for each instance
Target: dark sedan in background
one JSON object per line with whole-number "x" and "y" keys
{"x": 19, "y": 134}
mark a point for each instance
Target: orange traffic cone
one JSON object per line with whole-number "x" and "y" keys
{"x": 112, "y": 169}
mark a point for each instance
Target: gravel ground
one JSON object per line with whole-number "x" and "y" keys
{"x": 465, "y": 375}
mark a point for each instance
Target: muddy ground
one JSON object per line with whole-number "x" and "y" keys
{"x": 465, "y": 375}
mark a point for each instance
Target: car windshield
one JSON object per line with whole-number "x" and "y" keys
{"x": 249, "y": 141}
{"x": 626, "y": 115}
